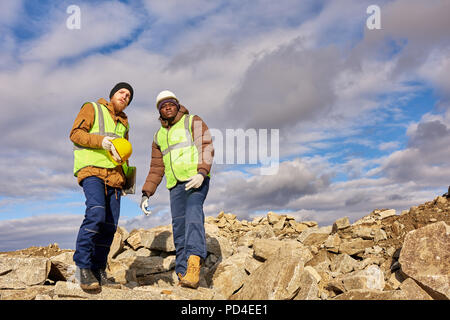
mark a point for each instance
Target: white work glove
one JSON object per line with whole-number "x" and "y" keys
{"x": 115, "y": 154}
{"x": 108, "y": 146}
{"x": 144, "y": 205}
{"x": 106, "y": 143}
{"x": 194, "y": 181}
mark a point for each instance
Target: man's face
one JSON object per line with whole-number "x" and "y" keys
{"x": 168, "y": 110}
{"x": 121, "y": 99}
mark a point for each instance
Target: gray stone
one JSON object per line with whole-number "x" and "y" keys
{"x": 354, "y": 246}
{"x": 370, "y": 278}
{"x": 425, "y": 257}
{"x": 309, "y": 289}
{"x": 340, "y": 224}
{"x": 20, "y": 272}
{"x": 230, "y": 274}
{"x": 386, "y": 213}
{"x": 413, "y": 291}
{"x": 369, "y": 294}
{"x": 276, "y": 279}
{"x": 63, "y": 267}
{"x": 343, "y": 263}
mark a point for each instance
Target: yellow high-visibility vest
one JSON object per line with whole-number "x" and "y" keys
{"x": 180, "y": 155}
{"x": 103, "y": 125}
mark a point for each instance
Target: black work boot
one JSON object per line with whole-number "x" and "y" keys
{"x": 88, "y": 280}
{"x": 103, "y": 279}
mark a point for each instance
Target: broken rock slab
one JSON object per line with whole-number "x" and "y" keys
{"x": 264, "y": 248}
{"x": 20, "y": 272}
{"x": 159, "y": 238}
{"x": 370, "y": 278}
{"x": 63, "y": 267}
{"x": 230, "y": 274}
{"x": 309, "y": 289}
{"x": 355, "y": 246}
{"x": 413, "y": 291}
{"x": 278, "y": 278}
{"x": 425, "y": 257}
{"x": 370, "y": 294}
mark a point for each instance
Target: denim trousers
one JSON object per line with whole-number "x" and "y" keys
{"x": 188, "y": 223}
{"x": 99, "y": 225}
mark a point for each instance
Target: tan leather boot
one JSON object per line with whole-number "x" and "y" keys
{"x": 192, "y": 276}
{"x": 180, "y": 276}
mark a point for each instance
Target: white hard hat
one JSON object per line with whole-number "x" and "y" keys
{"x": 163, "y": 95}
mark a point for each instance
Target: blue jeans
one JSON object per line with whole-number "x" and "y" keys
{"x": 188, "y": 223}
{"x": 99, "y": 225}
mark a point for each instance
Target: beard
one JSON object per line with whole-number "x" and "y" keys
{"x": 119, "y": 106}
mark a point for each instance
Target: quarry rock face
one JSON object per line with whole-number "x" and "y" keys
{"x": 382, "y": 256}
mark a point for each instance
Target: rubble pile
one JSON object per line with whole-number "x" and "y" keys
{"x": 382, "y": 256}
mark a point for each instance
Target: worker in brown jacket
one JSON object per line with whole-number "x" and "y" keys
{"x": 182, "y": 150}
{"x": 101, "y": 178}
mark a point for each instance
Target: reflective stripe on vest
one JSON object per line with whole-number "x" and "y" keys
{"x": 180, "y": 155}
{"x": 104, "y": 125}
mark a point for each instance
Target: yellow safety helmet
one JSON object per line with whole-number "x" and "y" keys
{"x": 123, "y": 148}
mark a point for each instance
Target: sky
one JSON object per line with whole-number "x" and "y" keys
{"x": 334, "y": 118}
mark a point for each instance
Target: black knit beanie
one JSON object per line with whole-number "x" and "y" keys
{"x": 119, "y": 86}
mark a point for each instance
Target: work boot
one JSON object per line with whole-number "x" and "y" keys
{"x": 104, "y": 281}
{"x": 88, "y": 280}
{"x": 192, "y": 277}
{"x": 180, "y": 276}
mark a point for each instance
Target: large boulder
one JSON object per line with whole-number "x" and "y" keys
{"x": 158, "y": 238}
{"x": 230, "y": 274}
{"x": 17, "y": 272}
{"x": 264, "y": 248}
{"x": 425, "y": 257}
{"x": 63, "y": 267}
{"x": 370, "y": 278}
{"x": 309, "y": 289}
{"x": 278, "y": 278}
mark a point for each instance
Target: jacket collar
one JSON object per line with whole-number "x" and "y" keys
{"x": 165, "y": 123}
{"x": 121, "y": 116}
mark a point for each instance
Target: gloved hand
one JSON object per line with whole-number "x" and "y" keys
{"x": 115, "y": 155}
{"x": 108, "y": 146}
{"x": 106, "y": 143}
{"x": 144, "y": 205}
{"x": 194, "y": 181}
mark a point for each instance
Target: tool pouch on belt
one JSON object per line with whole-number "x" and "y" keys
{"x": 130, "y": 182}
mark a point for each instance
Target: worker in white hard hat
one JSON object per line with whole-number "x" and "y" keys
{"x": 182, "y": 150}
{"x": 101, "y": 172}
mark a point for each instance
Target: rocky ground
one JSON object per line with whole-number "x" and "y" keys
{"x": 383, "y": 256}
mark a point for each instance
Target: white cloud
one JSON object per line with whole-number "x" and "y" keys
{"x": 39, "y": 231}
{"x": 436, "y": 70}
{"x": 311, "y": 70}
{"x": 101, "y": 24}
{"x": 424, "y": 161}
{"x": 9, "y": 11}
{"x": 243, "y": 193}
{"x": 172, "y": 10}
{"x": 388, "y": 145}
